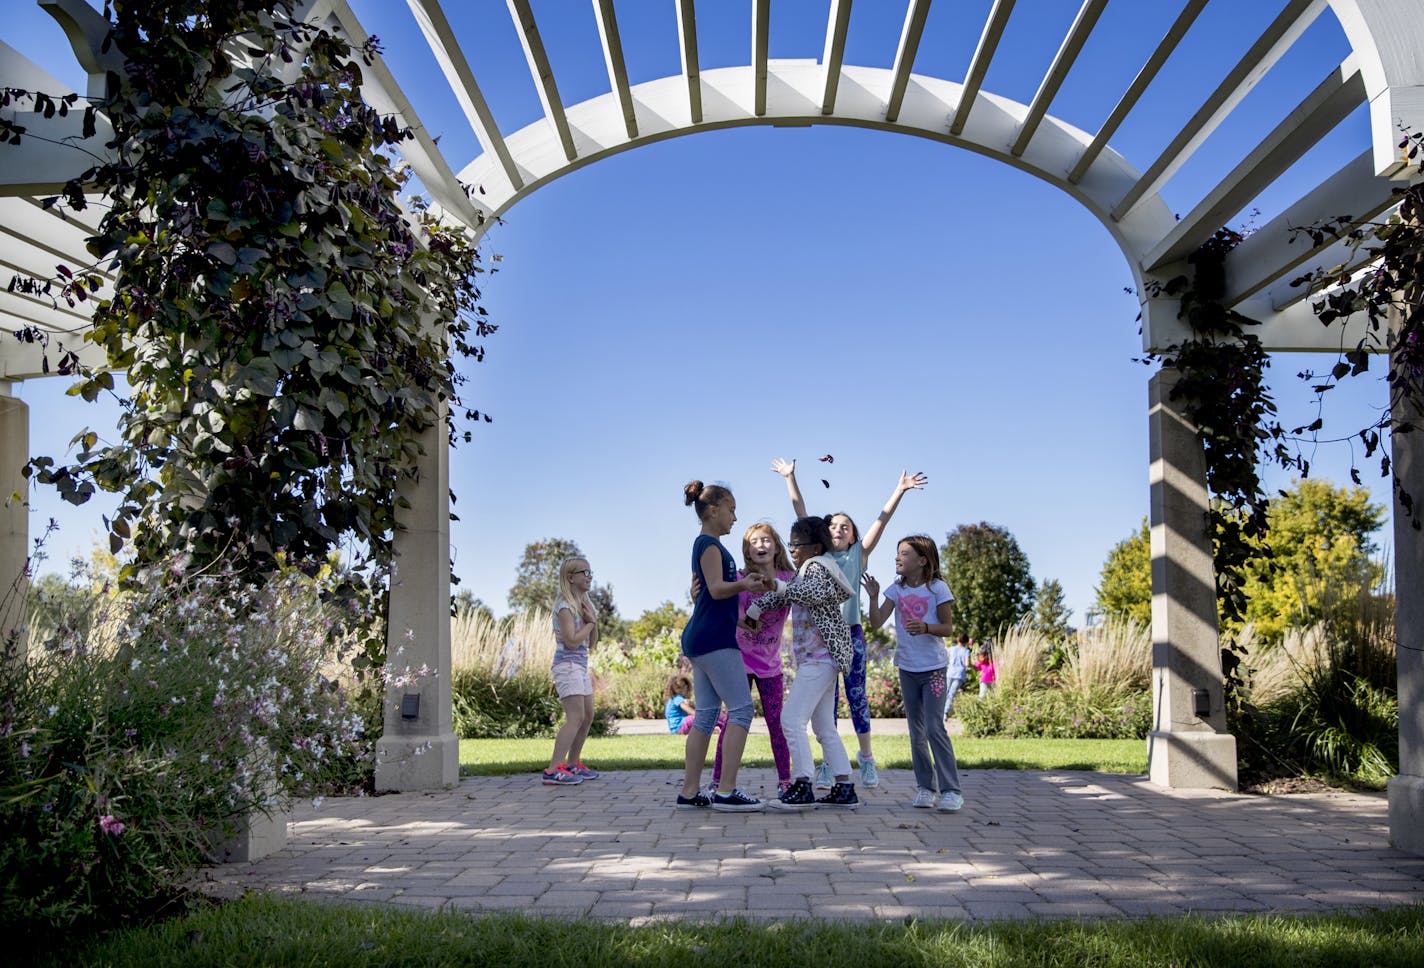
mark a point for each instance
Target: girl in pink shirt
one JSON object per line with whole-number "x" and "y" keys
{"x": 984, "y": 664}
{"x": 763, "y": 552}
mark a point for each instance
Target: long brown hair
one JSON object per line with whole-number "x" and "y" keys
{"x": 703, "y": 496}
{"x": 780, "y": 561}
{"x": 923, "y": 546}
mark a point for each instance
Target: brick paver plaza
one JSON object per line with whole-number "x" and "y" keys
{"x": 1027, "y": 844}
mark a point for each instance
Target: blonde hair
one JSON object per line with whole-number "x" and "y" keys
{"x": 780, "y": 561}
{"x": 566, "y": 589}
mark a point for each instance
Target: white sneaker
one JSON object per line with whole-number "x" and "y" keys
{"x": 824, "y": 780}
{"x": 869, "y": 775}
{"x": 948, "y": 802}
{"x": 923, "y": 799}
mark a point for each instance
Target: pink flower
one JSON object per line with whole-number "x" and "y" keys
{"x": 111, "y": 825}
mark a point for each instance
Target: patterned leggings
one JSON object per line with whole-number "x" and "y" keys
{"x": 771, "y": 689}
{"x": 856, "y": 696}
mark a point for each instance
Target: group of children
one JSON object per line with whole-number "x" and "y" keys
{"x": 733, "y": 641}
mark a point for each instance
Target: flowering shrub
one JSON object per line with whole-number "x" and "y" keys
{"x": 1057, "y": 713}
{"x": 882, "y": 689}
{"x": 129, "y": 751}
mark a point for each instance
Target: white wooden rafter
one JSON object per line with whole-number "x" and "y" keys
{"x": 914, "y": 28}
{"x": 612, "y": 44}
{"x": 979, "y": 65}
{"x": 542, "y": 71}
{"x": 687, "y": 46}
{"x": 1072, "y": 46}
{"x": 761, "y": 27}
{"x": 1260, "y": 58}
{"x": 833, "y": 55}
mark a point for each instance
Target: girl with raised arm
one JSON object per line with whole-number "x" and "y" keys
{"x": 849, "y": 551}
{"x": 710, "y": 643}
{"x": 923, "y": 610}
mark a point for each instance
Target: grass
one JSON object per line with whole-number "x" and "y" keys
{"x": 497, "y": 757}
{"x": 269, "y": 931}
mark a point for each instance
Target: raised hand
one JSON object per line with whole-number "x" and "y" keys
{"x": 588, "y": 612}
{"x": 784, "y": 468}
{"x": 912, "y": 482}
{"x": 871, "y": 585}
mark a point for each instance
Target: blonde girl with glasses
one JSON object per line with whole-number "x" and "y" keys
{"x": 575, "y": 632}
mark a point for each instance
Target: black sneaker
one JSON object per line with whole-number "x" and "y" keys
{"x": 798, "y": 796}
{"x": 698, "y": 799}
{"x": 736, "y": 802}
{"x": 841, "y": 795}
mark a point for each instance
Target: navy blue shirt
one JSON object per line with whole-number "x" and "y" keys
{"x": 713, "y": 624}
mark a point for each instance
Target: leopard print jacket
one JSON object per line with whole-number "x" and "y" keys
{"x": 821, "y": 595}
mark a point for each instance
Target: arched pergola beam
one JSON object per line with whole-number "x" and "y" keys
{"x": 1386, "y": 36}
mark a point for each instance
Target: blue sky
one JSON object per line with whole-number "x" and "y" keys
{"x": 696, "y": 307}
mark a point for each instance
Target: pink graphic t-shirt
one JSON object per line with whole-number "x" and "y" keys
{"x": 761, "y": 650}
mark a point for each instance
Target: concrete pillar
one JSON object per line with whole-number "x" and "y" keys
{"x": 1406, "y": 791}
{"x": 14, "y": 520}
{"x": 1189, "y": 745}
{"x": 418, "y": 749}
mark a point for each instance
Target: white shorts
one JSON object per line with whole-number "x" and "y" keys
{"x": 572, "y": 679}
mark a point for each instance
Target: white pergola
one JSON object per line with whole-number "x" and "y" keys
{"x": 1384, "y": 69}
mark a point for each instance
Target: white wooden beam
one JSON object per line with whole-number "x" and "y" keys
{"x": 1268, "y": 48}
{"x": 761, "y": 26}
{"x": 542, "y": 72}
{"x": 382, "y": 91}
{"x": 687, "y": 42}
{"x": 432, "y": 22}
{"x": 1353, "y": 193}
{"x": 910, "y": 34}
{"x": 612, "y": 44}
{"x": 1139, "y": 84}
{"x": 1072, "y": 46}
{"x": 979, "y": 65}
{"x": 837, "y": 25}
{"x": 87, "y": 30}
{"x": 1325, "y": 107}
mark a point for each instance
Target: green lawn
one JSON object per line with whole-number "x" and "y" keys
{"x": 494, "y": 757}
{"x": 267, "y": 931}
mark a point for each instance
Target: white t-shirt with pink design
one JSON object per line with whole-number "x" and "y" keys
{"x": 918, "y": 653}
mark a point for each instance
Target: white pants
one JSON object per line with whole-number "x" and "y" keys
{"x": 812, "y": 698}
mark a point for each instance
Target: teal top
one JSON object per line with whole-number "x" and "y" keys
{"x": 852, "y": 565}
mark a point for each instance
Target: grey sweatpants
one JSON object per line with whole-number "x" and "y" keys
{"x": 925, "y": 694}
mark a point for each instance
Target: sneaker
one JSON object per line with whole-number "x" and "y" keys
{"x": 923, "y": 799}
{"x": 949, "y": 802}
{"x": 841, "y": 795}
{"x": 798, "y": 796}
{"x": 697, "y": 800}
{"x": 583, "y": 772}
{"x": 869, "y": 775}
{"x": 560, "y": 776}
{"x": 736, "y": 802}
{"x": 824, "y": 780}
{"x": 782, "y": 786}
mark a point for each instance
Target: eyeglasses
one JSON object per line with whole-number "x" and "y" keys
{"x": 583, "y": 571}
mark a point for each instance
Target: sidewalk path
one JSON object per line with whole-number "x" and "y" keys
{"x": 1027, "y": 844}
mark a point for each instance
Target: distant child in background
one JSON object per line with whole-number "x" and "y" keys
{"x": 850, "y": 551}
{"x": 923, "y": 610}
{"x": 820, "y": 642}
{"x": 957, "y": 670}
{"x": 678, "y": 708}
{"x": 709, "y": 641}
{"x": 575, "y": 632}
{"x": 984, "y": 665}
{"x": 763, "y": 552}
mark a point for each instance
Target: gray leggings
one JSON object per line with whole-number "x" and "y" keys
{"x": 925, "y": 694}
{"x": 721, "y": 677}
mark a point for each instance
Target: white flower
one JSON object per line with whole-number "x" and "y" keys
{"x": 54, "y": 710}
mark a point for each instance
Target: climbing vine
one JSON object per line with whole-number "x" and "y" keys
{"x": 286, "y": 322}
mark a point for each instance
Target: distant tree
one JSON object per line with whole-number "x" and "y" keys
{"x": 536, "y": 581}
{"x": 666, "y": 619}
{"x": 1321, "y": 557}
{"x": 988, "y": 574}
{"x": 611, "y": 626}
{"x": 465, "y": 603}
{"x": 1050, "y": 614}
{"x": 1125, "y": 584}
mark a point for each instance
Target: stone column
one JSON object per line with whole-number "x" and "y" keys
{"x": 1406, "y": 791}
{"x": 1189, "y": 745}
{"x": 418, "y": 750}
{"x": 14, "y": 517}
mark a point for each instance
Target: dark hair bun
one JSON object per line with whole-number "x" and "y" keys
{"x": 691, "y": 492}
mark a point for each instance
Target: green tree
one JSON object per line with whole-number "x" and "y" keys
{"x": 988, "y": 574}
{"x": 466, "y": 602}
{"x": 1125, "y": 584}
{"x": 611, "y": 626}
{"x": 536, "y": 580}
{"x": 1319, "y": 539}
{"x": 666, "y": 619}
{"x": 1050, "y": 613}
